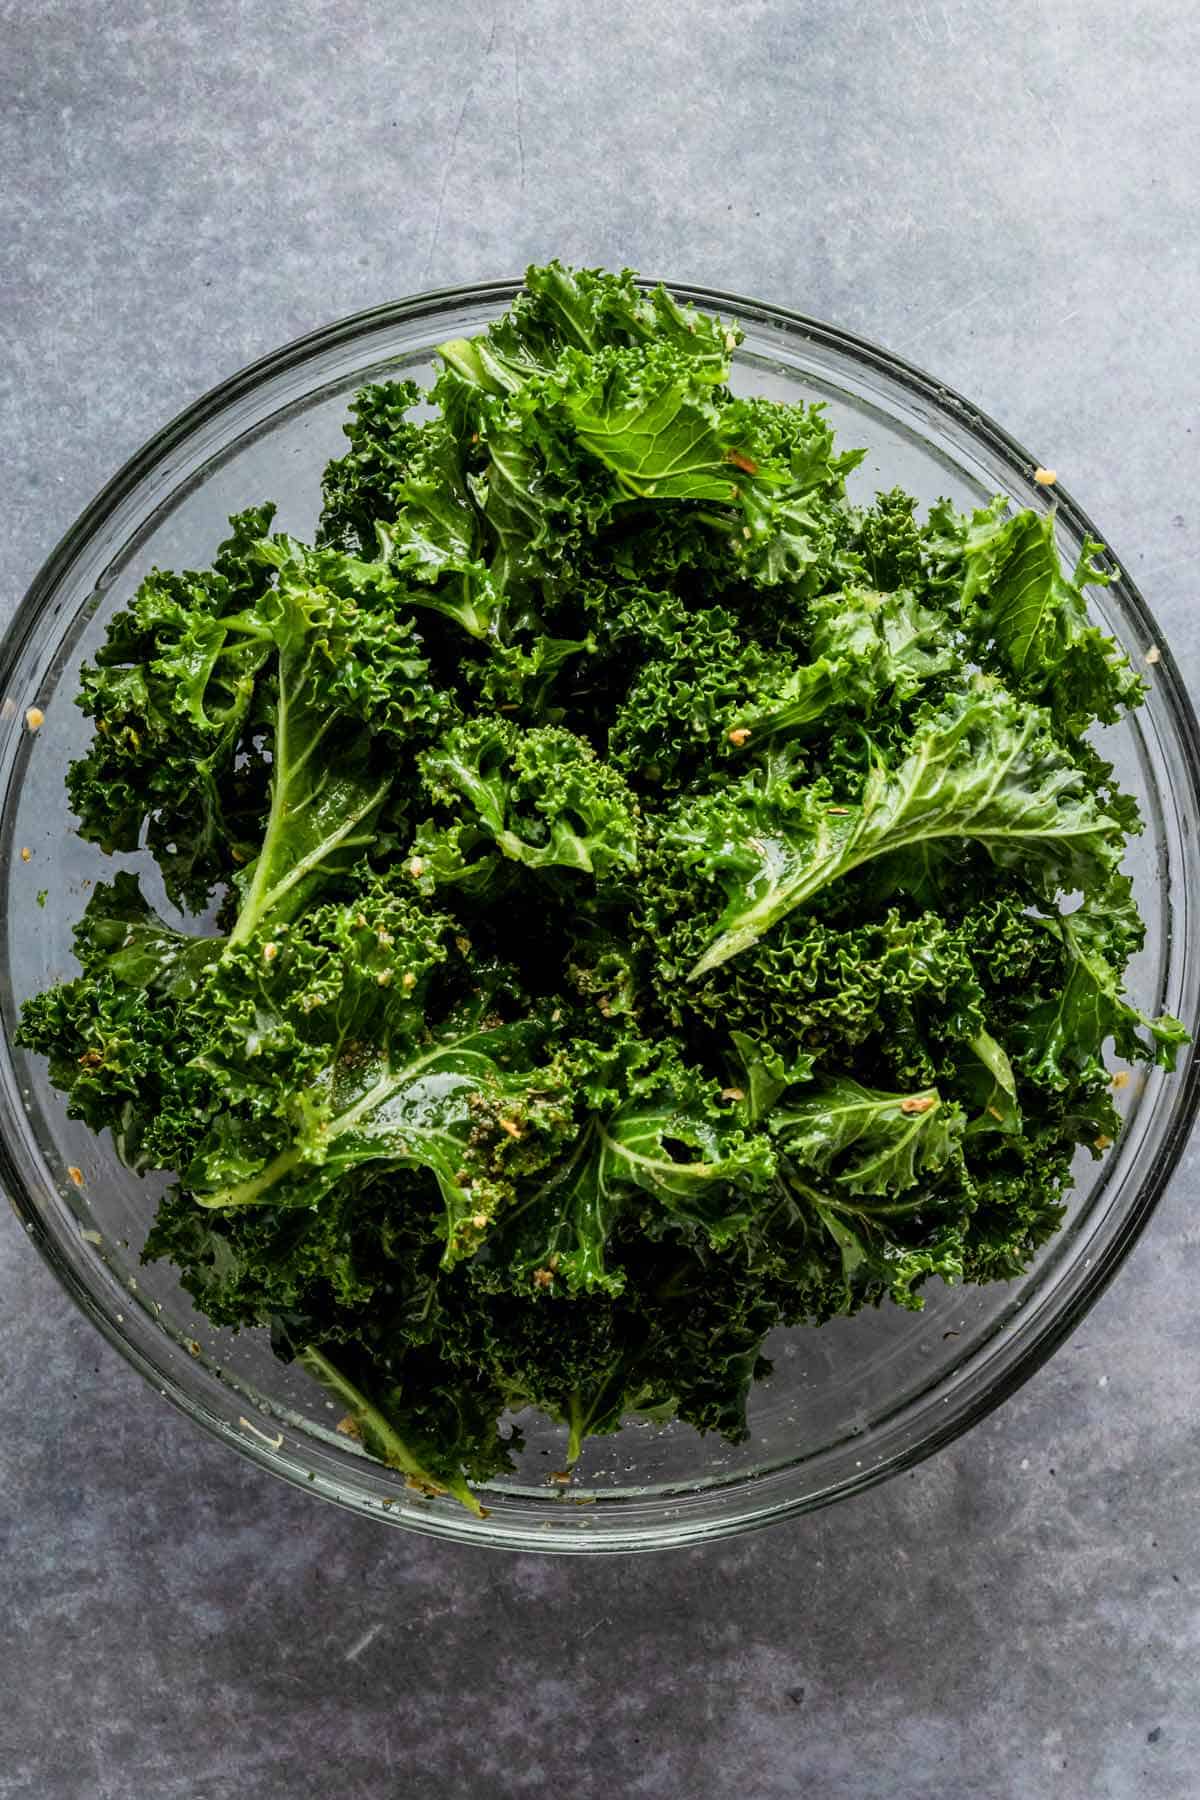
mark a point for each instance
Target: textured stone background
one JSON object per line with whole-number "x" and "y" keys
{"x": 1005, "y": 194}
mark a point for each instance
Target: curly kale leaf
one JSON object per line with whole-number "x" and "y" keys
{"x": 1062, "y": 1035}
{"x": 170, "y": 694}
{"x": 984, "y": 769}
{"x": 585, "y": 310}
{"x": 120, "y": 935}
{"x": 644, "y": 416}
{"x": 318, "y": 1036}
{"x": 359, "y": 489}
{"x": 1022, "y": 611}
{"x": 682, "y": 707}
{"x": 870, "y": 1142}
{"x": 114, "y": 1036}
{"x": 867, "y": 648}
{"x": 338, "y": 662}
{"x": 350, "y": 647}
{"x": 402, "y": 498}
{"x": 840, "y": 990}
{"x": 769, "y": 473}
{"x": 993, "y": 1085}
{"x": 697, "y": 1165}
{"x": 765, "y": 1074}
{"x": 893, "y": 547}
{"x": 112, "y": 1050}
{"x": 436, "y": 537}
{"x": 277, "y": 647}
{"x": 518, "y": 677}
{"x": 542, "y": 797}
{"x": 873, "y": 1264}
{"x": 592, "y": 401}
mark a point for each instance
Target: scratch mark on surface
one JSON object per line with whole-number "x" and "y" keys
{"x": 440, "y": 1612}
{"x": 447, "y": 165}
{"x": 518, "y": 97}
{"x": 945, "y": 318}
{"x": 1047, "y": 112}
{"x": 448, "y": 162}
{"x": 365, "y": 1641}
{"x": 949, "y": 23}
{"x": 584, "y": 1635}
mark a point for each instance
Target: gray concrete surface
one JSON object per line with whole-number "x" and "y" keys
{"x": 1006, "y": 194}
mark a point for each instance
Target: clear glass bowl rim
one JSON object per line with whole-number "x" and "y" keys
{"x": 960, "y": 1415}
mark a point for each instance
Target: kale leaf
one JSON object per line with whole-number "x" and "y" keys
{"x": 983, "y": 769}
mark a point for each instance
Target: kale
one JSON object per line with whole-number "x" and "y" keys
{"x": 658, "y": 898}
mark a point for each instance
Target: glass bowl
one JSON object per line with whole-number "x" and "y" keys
{"x": 848, "y": 1404}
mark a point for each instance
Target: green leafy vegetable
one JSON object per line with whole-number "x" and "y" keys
{"x": 655, "y": 897}
{"x": 1067, "y": 1029}
{"x": 983, "y": 770}
{"x": 1016, "y": 596}
{"x": 541, "y": 796}
{"x": 873, "y": 1143}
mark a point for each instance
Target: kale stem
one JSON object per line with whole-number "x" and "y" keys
{"x": 248, "y": 916}
{"x": 576, "y": 1427}
{"x": 380, "y": 1435}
